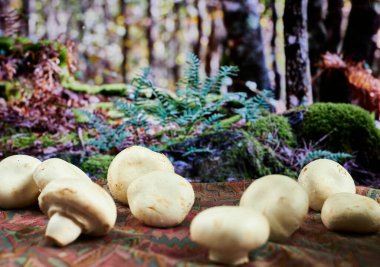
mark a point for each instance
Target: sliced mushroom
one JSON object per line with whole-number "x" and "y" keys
{"x": 54, "y": 168}
{"x": 322, "y": 178}
{"x": 76, "y": 206}
{"x": 17, "y": 187}
{"x": 229, "y": 232}
{"x": 160, "y": 199}
{"x": 349, "y": 212}
{"x": 130, "y": 164}
{"x": 281, "y": 200}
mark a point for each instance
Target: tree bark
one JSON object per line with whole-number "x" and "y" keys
{"x": 317, "y": 32}
{"x": 245, "y": 43}
{"x": 277, "y": 76}
{"x": 124, "y": 41}
{"x": 298, "y": 80}
{"x": 151, "y": 32}
{"x": 197, "y": 46}
{"x": 363, "y": 24}
{"x": 28, "y": 8}
{"x": 333, "y": 25}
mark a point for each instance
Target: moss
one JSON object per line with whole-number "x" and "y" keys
{"x": 105, "y": 89}
{"x": 276, "y": 126}
{"x": 23, "y": 140}
{"x": 257, "y": 160}
{"x": 348, "y": 129}
{"x": 70, "y": 137}
{"x": 97, "y": 165}
{"x": 47, "y": 140}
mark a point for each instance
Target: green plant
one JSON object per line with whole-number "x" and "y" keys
{"x": 198, "y": 105}
{"x": 324, "y": 154}
{"x": 107, "y": 136}
{"x": 97, "y": 165}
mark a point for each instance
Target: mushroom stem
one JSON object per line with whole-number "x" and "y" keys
{"x": 62, "y": 230}
{"x": 228, "y": 257}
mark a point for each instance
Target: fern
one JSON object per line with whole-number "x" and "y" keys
{"x": 192, "y": 150}
{"x": 141, "y": 83}
{"x": 133, "y": 115}
{"x": 213, "y": 84}
{"x": 317, "y": 154}
{"x": 107, "y": 137}
{"x": 212, "y": 120}
{"x": 191, "y": 79}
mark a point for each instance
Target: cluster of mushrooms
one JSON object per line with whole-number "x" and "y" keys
{"x": 274, "y": 207}
{"x": 271, "y": 208}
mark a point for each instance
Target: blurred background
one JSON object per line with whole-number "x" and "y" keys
{"x": 116, "y": 38}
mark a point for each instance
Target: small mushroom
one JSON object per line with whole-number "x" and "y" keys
{"x": 281, "y": 200}
{"x": 54, "y": 168}
{"x": 76, "y": 206}
{"x": 322, "y": 178}
{"x": 349, "y": 212}
{"x": 160, "y": 199}
{"x": 17, "y": 187}
{"x": 130, "y": 164}
{"x": 229, "y": 232}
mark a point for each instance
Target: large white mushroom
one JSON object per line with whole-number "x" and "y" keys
{"x": 281, "y": 200}
{"x": 229, "y": 232}
{"x": 351, "y": 213}
{"x": 54, "y": 168}
{"x": 17, "y": 187}
{"x": 322, "y": 178}
{"x": 76, "y": 206}
{"x": 160, "y": 199}
{"x": 130, "y": 164}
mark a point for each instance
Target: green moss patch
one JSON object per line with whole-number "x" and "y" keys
{"x": 97, "y": 165}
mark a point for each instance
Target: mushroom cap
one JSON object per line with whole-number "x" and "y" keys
{"x": 351, "y": 213}
{"x": 55, "y": 168}
{"x": 130, "y": 164}
{"x": 18, "y": 189}
{"x": 322, "y": 178}
{"x": 160, "y": 199}
{"x": 84, "y": 202}
{"x": 230, "y": 229}
{"x": 281, "y": 200}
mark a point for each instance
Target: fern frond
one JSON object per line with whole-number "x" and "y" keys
{"x": 324, "y": 154}
{"x": 191, "y": 78}
{"x": 213, "y": 119}
{"x": 192, "y": 150}
{"x": 213, "y": 84}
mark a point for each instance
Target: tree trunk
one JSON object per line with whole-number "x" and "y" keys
{"x": 277, "y": 76}
{"x": 333, "y": 25}
{"x": 151, "y": 32}
{"x": 245, "y": 43}
{"x": 359, "y": 43}
{"x": 298, "y": 80}
{"x": 124, "y": 42}
{"x": 317, "y": 32}
{"x": 197, "y": 46}
{"x": 28, "y": 8}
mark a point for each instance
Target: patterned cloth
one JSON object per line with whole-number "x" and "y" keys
{"x": 132, "y": 244}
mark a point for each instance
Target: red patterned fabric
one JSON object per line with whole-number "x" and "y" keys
{"x": 132, "y": 244}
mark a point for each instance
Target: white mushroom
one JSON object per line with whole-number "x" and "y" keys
{"x": 322, "y": 178}
{"x": 54, "y": 168}
{"x": 130, "y": 164}
{"x": 17, "y": 187}
{"x": 76, "y": 206}
{"x": 281, "y": 200}
{"x": 160, "y": 199}
{"x": 351, "y": 213}
{"x": 229, "y": 232}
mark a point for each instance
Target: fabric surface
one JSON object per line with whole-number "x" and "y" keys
{"x": 130, "y": 243}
